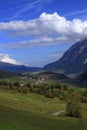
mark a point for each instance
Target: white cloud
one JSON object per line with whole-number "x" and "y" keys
{"x": 7, "y": 59}
{"x": 22, "y": 8}
{"x": 45, "y": 41}
{"x": 35, "y": 5}
{"x": 48, "y": 29}
{"x": 84, "y": 11}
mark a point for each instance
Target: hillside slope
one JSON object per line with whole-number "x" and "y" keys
{"x": 34, "y": 112}
{"x": 73, "y": 61}
{"x": 6, "y": 74}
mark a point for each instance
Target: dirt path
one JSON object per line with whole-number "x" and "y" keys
{"x": 58, "y": 113}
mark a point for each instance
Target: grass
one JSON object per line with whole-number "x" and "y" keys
{"x": 30, "y": 102}
{"x": 11, "y": 119}
{"x": 34, "y": 112}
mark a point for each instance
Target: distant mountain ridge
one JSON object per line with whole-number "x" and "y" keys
{"x": 73, "y": 61}
{"x": 17, "y": 68}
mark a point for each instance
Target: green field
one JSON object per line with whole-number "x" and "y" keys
{"x": 35, "y": 112}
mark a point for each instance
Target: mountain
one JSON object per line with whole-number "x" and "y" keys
{"x": 48, "y": 75}
{"x": 6, "y": 74}
{"x": 17, "y": 68}
{"x": 52, "y": 76}
{"x": 82, "y": 79}
{"x": 74, "y": 60}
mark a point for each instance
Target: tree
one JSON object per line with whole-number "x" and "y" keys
{"x": 73, "y": 108}
{"x": 25, "y": 90}
{"x": 16, "y": 84}
{"x": 28, "y": 85}
{"x": 85, "y": 93}
{"x": 49, "y": 94}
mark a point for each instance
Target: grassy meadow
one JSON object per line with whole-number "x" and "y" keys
{"x": 35, "y": 112}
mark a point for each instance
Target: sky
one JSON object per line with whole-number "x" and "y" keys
{"x": 38, "y": 32}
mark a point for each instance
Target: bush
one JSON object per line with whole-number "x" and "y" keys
{"x": 24, "y": 90}
{"x": 84, "y": 99}
{"x": 49, "y": 94}
{"x": 73, "y": 108}
{"x": 16, "y": 84}
{"x": 28, "y": 85}
{"x": 85, "y": 93}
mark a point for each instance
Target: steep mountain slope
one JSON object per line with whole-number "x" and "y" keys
{"x": 73, "y": 61}
{"x": 17, "y": 68}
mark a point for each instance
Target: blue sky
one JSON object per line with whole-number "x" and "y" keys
{"x": 37, "y": 32}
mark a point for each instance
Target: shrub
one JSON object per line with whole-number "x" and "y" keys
{"x": 49, "y": 94}
{"x": 73, "y": 108}
{"x": 24, "y": 90}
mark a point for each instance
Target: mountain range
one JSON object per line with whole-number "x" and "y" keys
{"x": 74, "y": 61}
{"x": 17, "y": 68}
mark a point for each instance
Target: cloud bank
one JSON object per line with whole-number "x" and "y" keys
{"x": 7, "y": 59}
{"x": 48, "y": 29}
